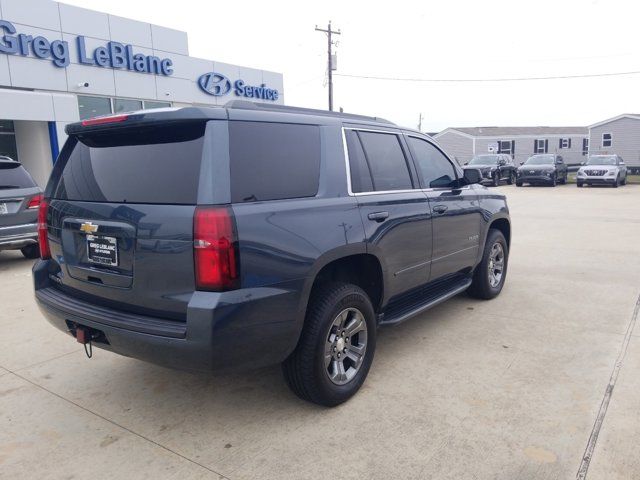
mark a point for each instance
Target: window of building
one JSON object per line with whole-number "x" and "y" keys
{"x": 585, "y": 146}
{"x": 540, "y": 146}
{"x": 126, "y": 105}
{"x": 93, "y": 106}
{"x": 564, "y": 143}
{"x": 8, "y": 146}
{"x": 271, "y": 161}
{"x": 386, "y": 160}
{"x": 154, "y": 104}
{"x": 436, "y": 170}
{"x": 507, "y": 146}
{"x": 607, "y": 140}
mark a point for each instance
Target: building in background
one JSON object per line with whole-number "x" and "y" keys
{"x": 519, "y": 142}
{"x": 60, "y": 64}
{"x": 620, "y": 135}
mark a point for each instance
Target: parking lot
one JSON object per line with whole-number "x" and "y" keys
{"x": 509, "y": 388}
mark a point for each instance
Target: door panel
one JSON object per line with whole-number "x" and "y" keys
{"x": 456, "y": 227}
{"x": 400, "y": 236}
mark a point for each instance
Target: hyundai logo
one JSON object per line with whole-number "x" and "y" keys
{"x": 214, "y": 84}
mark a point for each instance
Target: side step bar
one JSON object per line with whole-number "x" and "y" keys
{"x": 394, "y": 318}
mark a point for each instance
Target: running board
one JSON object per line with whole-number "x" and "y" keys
{"x": 395, "y": 316}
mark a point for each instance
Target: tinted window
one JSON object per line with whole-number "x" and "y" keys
{"x": 12, "y": 175}
{"x": 126, "y": 105}
{"x": 271, "y": 161}
{"x": 360, "y": 173}
{"x": 386, "y": 161}
{"x": 145, "y": 165}
{"x": 436, "y": 169}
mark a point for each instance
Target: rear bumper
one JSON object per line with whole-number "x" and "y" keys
{"x": 223, "y": 330}
{"x": 18, "y": 236}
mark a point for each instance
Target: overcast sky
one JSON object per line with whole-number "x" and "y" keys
{"x": 427, "y": 40}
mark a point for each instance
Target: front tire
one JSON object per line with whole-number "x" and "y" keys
{"x": 554, "y": 180}
{"x": 336, "y": 347}
{"x": 579, "y": 184}
{"x": 564, "y": 180}
{"x": 31, "y": 251}
{"x": 491, "y": 272}
{"x": 511, "y": 179}
{"x": 518, "y": 184}
{"x": 617, "y": 182}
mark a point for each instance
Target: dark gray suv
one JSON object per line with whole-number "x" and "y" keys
{"x": 19, "y": 202}
{"x": 203, "y": 238}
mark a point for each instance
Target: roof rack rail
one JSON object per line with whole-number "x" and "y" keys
{"x": 246, "y": 105}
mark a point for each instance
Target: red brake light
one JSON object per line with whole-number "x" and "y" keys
{"x": 35, "y": 201}
{"x": 214, "y": 248}
{"x": 102, "y": 120}
{"x": 43, "y": 238}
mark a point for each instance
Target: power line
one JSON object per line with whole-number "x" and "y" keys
{"x": 482, "y": 80}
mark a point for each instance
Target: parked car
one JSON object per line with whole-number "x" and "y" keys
{"x": 203, "y": 238}
{"x": 494, "y": 167}
{"x": 602, "y": 170}
{"x": 542, "y": 169}
{"x": 19, "y": 201}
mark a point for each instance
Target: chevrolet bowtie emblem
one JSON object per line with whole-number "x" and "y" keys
{"x": 88, "y": 227}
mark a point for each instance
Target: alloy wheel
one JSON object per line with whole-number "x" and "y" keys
{"x": 496, "y": 264}
{"x": 346, "y": 346}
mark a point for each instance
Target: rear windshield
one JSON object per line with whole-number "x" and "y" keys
{"x": 159, "y": 164}
{"x": 13, "y": 175}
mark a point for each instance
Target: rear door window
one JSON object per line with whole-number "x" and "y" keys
{"x": 386, "y": 161}
{"x": 13, "y": 175}
{"x": 358, "y": 167}
{"x": 272, "y": 161}
{"x": 159, "y": 164}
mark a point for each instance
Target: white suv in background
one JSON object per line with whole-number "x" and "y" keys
{"x": 602, "y": 170}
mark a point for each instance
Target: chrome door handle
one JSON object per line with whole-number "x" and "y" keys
{"x": 378, "y": 216}
{"x": 440, "y": 209}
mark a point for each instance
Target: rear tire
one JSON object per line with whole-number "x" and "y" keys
{"x": 31, "y": 251}
{"x": 518, "y": 184}
{"x": 579, "y": 184}
{"x": 486, "y": 284}
{"x": 312, "y": 371}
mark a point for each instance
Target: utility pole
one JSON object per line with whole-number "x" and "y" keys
{"x": 420, "y": 123}
{"x": 330, "y": 65}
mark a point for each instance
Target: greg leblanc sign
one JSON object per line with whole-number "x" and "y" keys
{"x": 120, "y": 56}
{"x": 112, "y": 55}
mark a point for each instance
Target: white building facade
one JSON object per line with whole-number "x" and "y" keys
{"x": 60, "y": 64}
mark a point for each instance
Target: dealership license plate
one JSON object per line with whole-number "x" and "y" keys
{"x": 102, "y": 250}
{"x": 3, "y": 209}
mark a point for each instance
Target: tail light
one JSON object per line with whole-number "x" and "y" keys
{"x": 43, "y": 238}
{"x": 35, "y": 201}
{"x": 215, "y": 249}
{"x": 104, "y": 120}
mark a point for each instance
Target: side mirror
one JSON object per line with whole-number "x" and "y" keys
{"x": 521, "y": 163}
{"x": 502, "y": 162}
{"x": 583, "y": 163}
{"x": 621, "y": 162}
{"x": 471, "y": 176}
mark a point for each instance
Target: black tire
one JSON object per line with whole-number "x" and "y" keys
{"x": 564, "y": 180}
{"x": 496, "y": 179}
{"x": 511, "y": 179}
{"x": 31, "y": 251}
{"x": 304, "y": 370}
{"x": 624, "y": 181}
{"x": 579, "y": 184}
{"x": 481, "y": 286}
{"x": 554, "y": 180}
{"x": 518, "y": 184}
{"x": 617, "y": 182}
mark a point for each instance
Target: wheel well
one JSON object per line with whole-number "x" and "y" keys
{"x": 504, "y": 226}
{"x": 363, "y": 270}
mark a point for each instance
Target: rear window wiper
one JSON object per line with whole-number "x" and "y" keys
{"x": 9, "y": 186}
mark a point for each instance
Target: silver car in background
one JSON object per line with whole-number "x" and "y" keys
{"x": 20, "y": 199}
{"x": 602, "y": 170}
